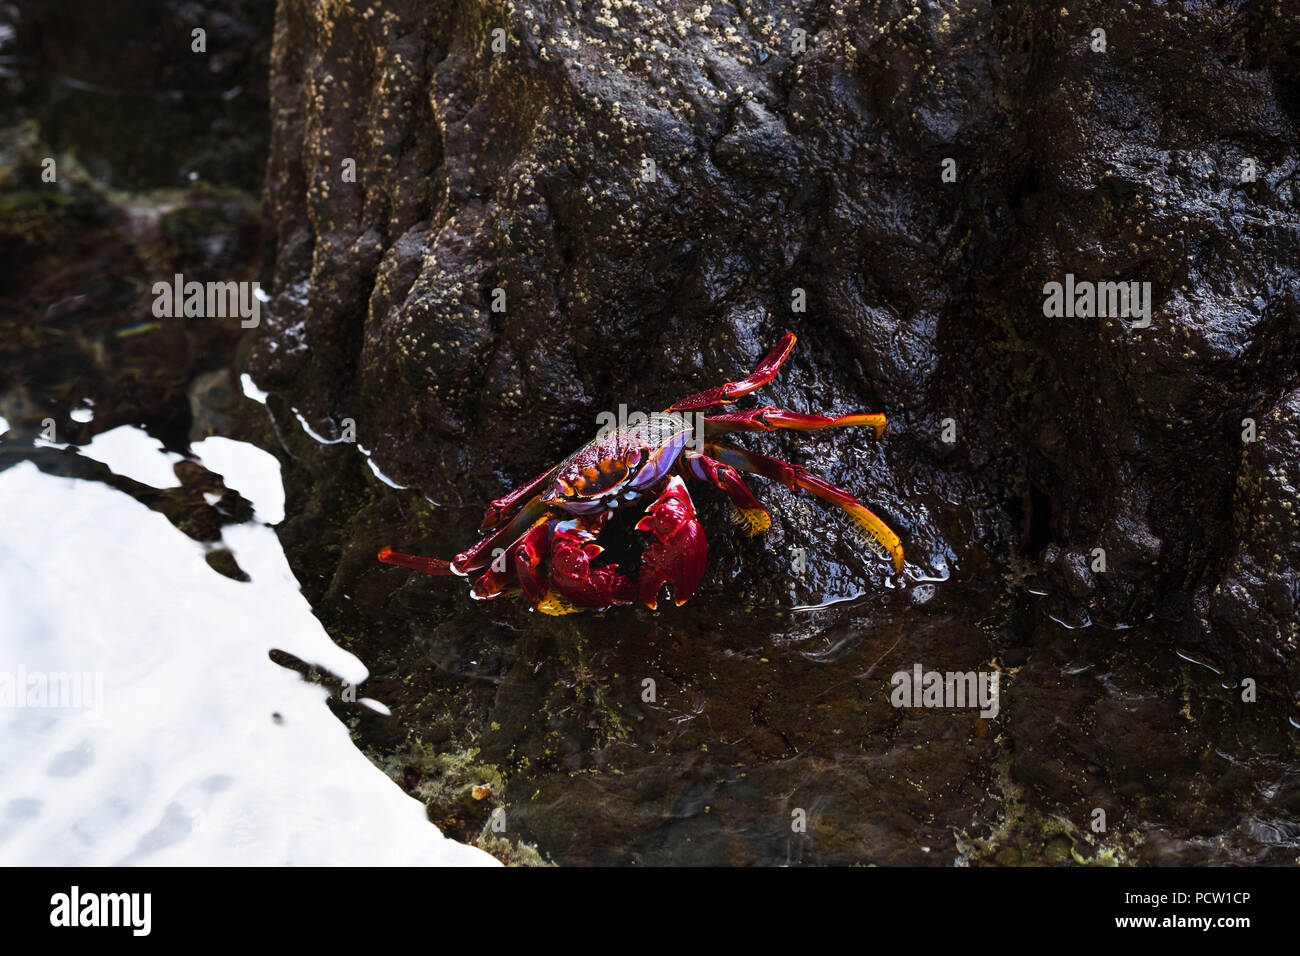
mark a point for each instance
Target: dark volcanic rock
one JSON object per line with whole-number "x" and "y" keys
{"x": 1133, "y": 171}
{"x": 1252, "y": 612}
{"x": 561, "y": 207}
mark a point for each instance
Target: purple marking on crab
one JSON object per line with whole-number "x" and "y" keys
{"x": 584, "y": 506}
{"x": 661, "y": 460}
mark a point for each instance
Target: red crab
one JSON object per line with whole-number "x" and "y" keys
{"x": 542, "y": 537}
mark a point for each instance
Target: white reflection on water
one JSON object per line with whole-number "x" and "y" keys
{"x": 201, "y": 749}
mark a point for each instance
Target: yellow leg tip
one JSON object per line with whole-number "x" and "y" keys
{"x": 877, "y": 536}
{"x": 555, "y": 605}
{"x": 751, "y": 520}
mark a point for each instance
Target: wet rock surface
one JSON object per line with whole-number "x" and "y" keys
{"x": 140, "y": 99}
{"x": 101, "y": 196}
{"x": 755, "y": 725}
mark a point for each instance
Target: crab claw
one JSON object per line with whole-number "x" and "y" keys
{"x": 576, "y": 582}
{"x": 530, "y": 551}
{"x": 678, "y": 554}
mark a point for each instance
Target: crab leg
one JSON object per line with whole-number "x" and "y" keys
{"x": 477, "y": 557}
{"x": 503, "y": 508}
{"x": 528, "y": 554}
{"x": 509, "y": 577}
{"x": 793, "y": 476}
{"x": 725, "y": 394}
{"x": 480, "y": 555}
{"x": 769, "y": 417}
{"x": 435, "y": 566}
{"x": 752, "y": 514}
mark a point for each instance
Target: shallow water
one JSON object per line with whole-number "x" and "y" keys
{"x": 743, "y": 728}
{"x": 761, "y": 728}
